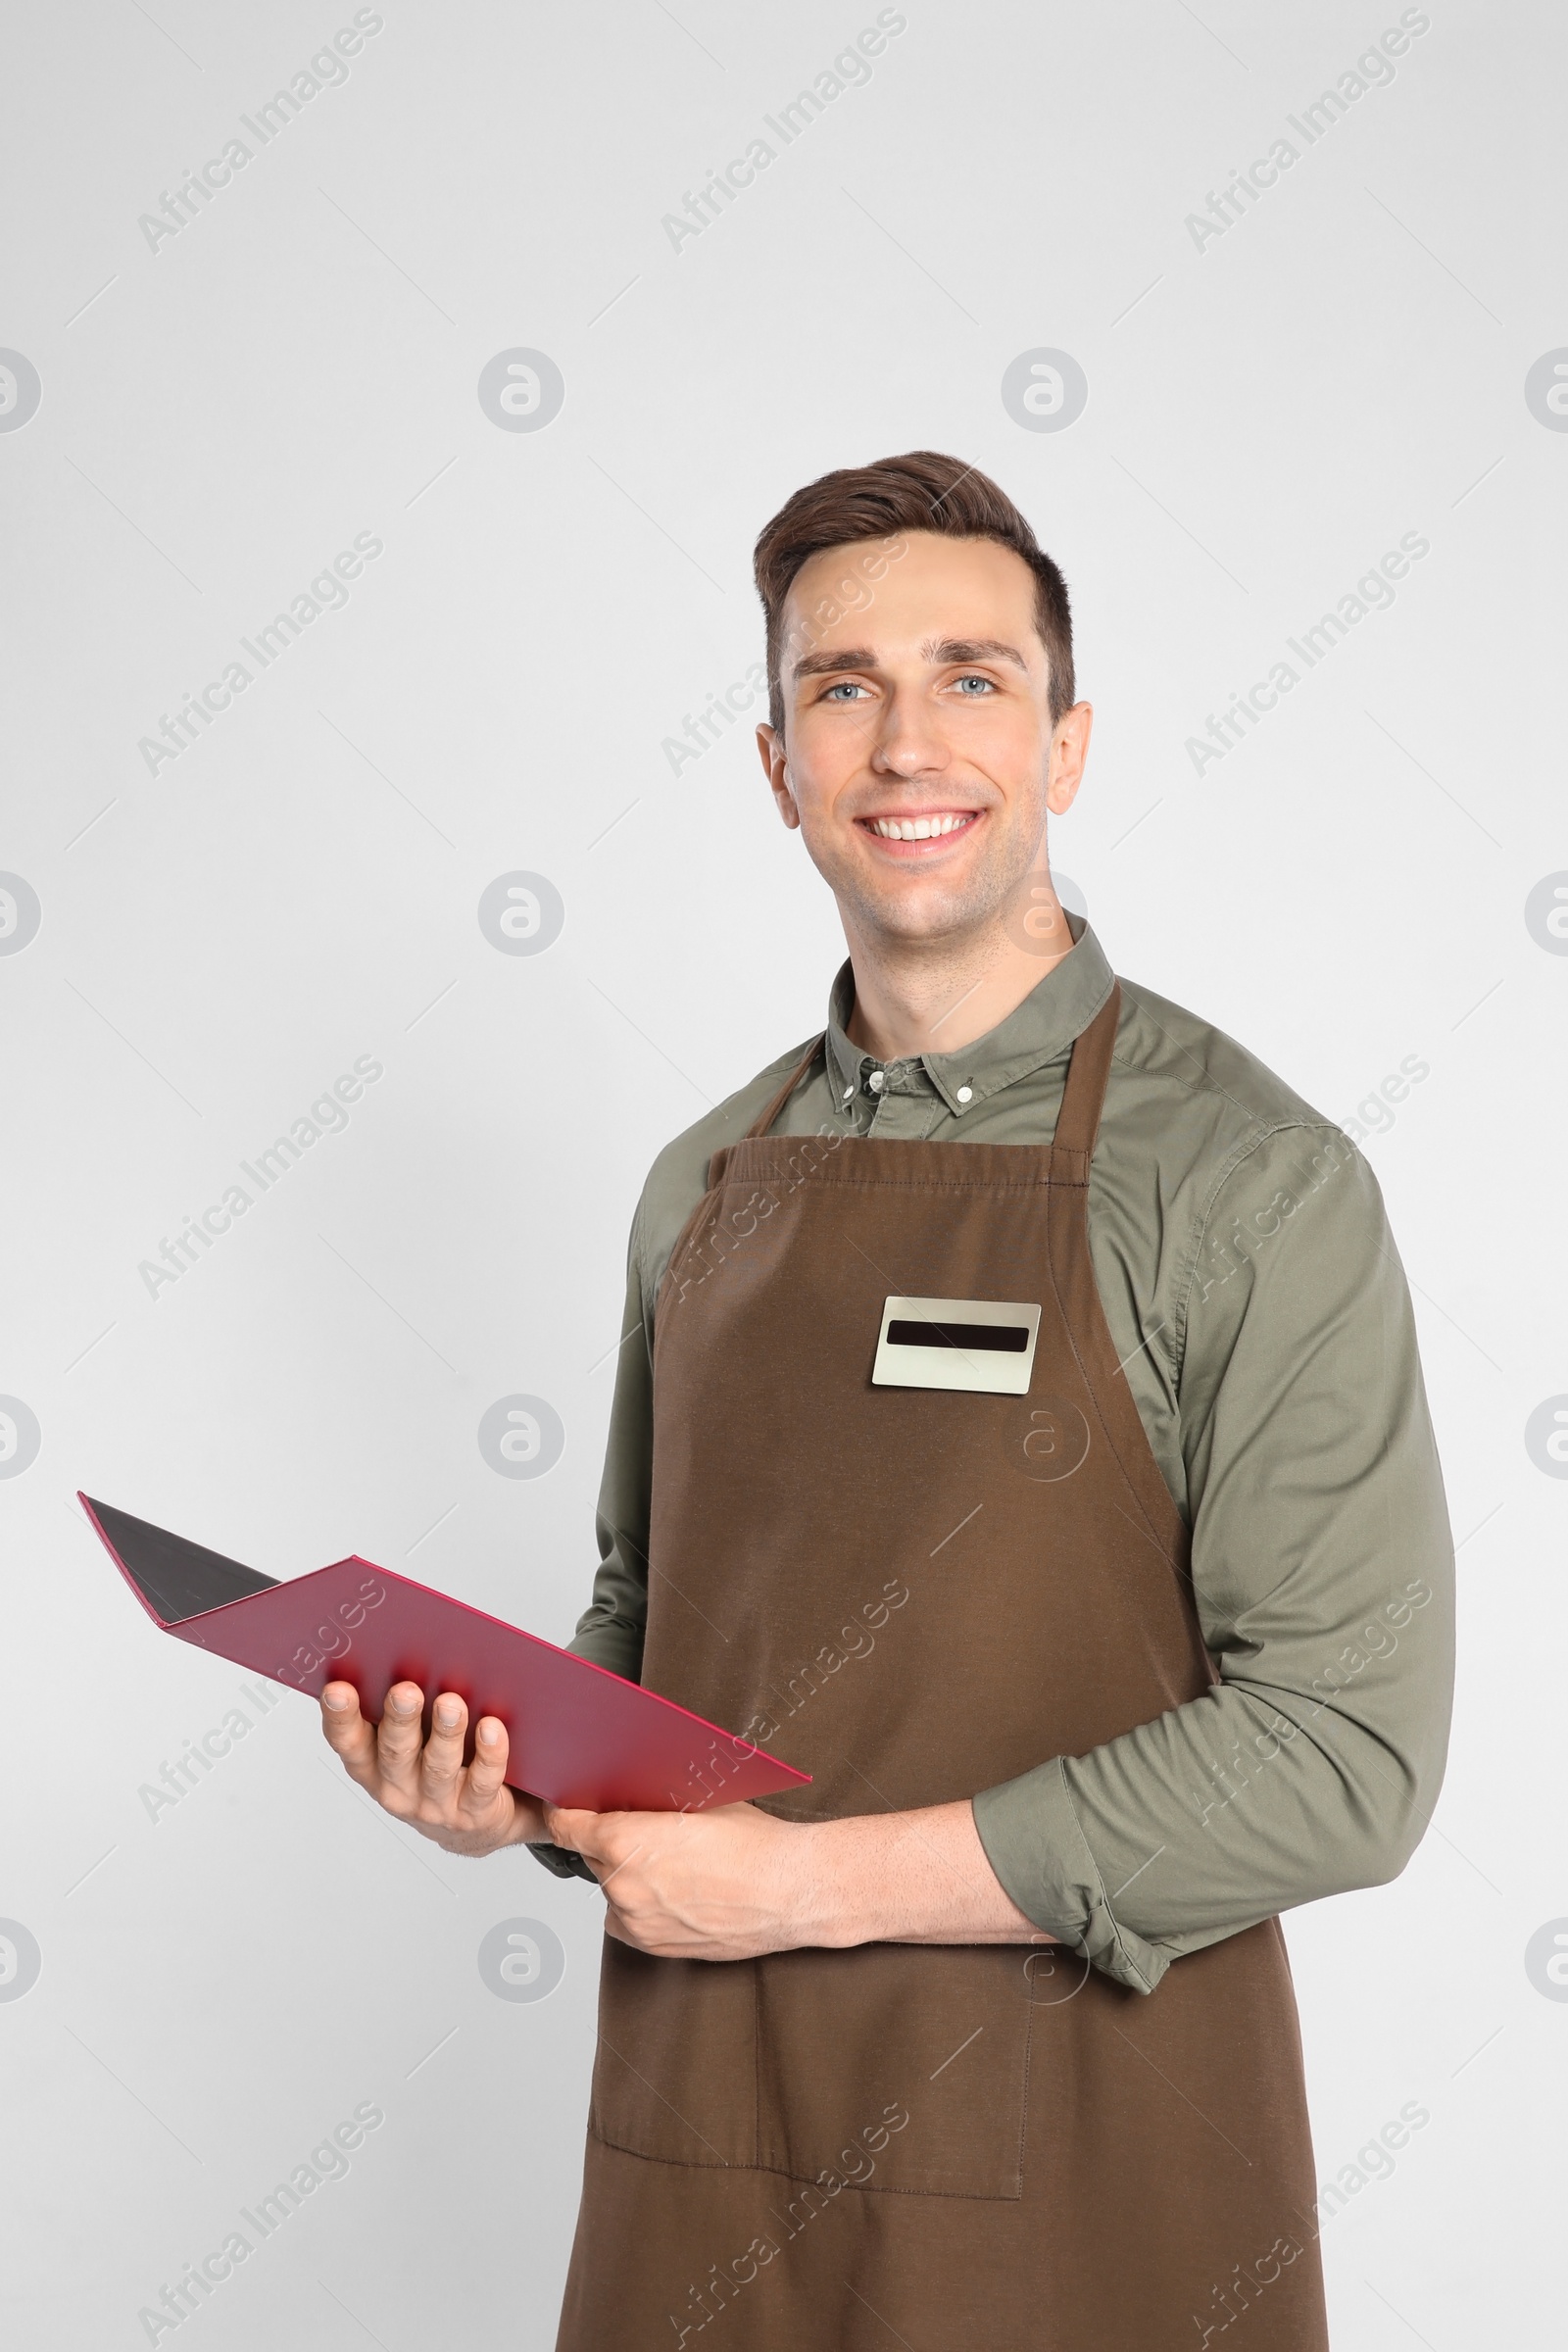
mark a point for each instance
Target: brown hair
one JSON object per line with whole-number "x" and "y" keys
{"x": 921, "y": 491}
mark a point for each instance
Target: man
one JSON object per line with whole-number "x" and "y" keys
{"x": 1019, "y": 1428}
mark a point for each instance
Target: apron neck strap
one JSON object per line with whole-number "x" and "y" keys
{"x": 1072, "y": 1146}
{"x": 770, "y": 1111}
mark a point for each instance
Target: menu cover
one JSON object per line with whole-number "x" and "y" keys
{"x": 578, "y": 1735}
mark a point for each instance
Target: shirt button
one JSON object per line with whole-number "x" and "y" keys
{"x": 965, "y": 1094}
{"x": 848, "y": 1092}
{"x": 876, "y": 1081}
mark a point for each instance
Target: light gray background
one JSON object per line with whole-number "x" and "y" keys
{"x": 218, "y": 418}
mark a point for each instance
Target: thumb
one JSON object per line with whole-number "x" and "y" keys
{"x": 574, "y": 1826}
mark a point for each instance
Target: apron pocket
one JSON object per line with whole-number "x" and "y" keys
{"x": 895, "y": 2066}
{"x": 675, "y": 2071}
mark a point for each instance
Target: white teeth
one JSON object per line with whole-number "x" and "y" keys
{"x": 918, "y": 828}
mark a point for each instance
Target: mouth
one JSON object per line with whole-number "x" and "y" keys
{"x": 918, "y": 833}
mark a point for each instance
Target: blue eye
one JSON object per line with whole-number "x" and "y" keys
{"x": 845, "y": 686}
{"x": 974, "y": 679}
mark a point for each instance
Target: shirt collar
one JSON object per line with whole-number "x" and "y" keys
{"x": 1039, "y": 1030}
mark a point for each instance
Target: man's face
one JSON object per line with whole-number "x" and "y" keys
{"x": 919, "y": 756}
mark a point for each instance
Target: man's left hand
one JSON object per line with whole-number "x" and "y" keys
{"x": 723, "y": 1884}
{"x": 734, "y": 1881}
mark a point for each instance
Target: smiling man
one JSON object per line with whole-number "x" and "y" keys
{"x": 1019, "y": 1428}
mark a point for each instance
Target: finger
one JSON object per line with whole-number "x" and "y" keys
{"x": 347, "y": 1730}
{"x": 574, "y": 1826}
{"x": 442, "y": 1760}
{"x": 607, "y": 1842}
{"x": 399, "y": 1738}
{"x": 488, "y": 1771}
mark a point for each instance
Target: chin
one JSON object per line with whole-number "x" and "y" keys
{"x": 925, "y": 911}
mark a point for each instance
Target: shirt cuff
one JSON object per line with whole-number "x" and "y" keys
{"x": 559, "y": 1859}
{"x": 1034, "y": 1844}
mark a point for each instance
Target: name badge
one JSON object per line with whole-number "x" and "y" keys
{"x": 977, "y": 1344}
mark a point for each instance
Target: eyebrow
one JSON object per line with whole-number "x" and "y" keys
{"x": 823, "y": 665}
{"x": 944, "y": 650}
{"x": 972, "y": 649}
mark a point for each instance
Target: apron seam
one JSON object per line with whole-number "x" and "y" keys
{"x": 976, "y": 1183}
{"x": 774, "y": 2172}
{"x": 756, "y": 2064}
{"x": 1173, "y": 1562}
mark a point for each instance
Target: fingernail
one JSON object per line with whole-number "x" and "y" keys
{"x": 487, "y": 1732}
{"x": 446, "y": 1717}
{"x": 337, "y": 1705}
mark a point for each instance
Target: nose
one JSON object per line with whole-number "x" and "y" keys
{"x": 908, "y": 741}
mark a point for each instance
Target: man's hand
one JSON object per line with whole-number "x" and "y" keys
{"x": 467, "y": 1809}
{"x": 733, "y": 1882}
{"x": 719, "y": 1885}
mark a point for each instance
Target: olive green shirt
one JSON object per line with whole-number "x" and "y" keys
{"x": 1264, "y": 1328}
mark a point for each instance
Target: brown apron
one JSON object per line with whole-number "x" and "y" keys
{"x": 915, "y": 1595}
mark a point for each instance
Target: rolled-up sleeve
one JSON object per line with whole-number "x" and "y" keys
{"x": 1323, "y": 1572}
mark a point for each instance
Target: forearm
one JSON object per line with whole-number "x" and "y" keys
{"x": 1257, "y": 1800}
{"x": 1226, "y": 1811}
{"x": 905, "y": 1877}
{"x": 736, "y": 1881}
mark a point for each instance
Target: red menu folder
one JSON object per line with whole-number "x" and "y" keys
{"x": 578, "y": 1735}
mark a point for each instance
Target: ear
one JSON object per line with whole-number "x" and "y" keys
{"x": 770, "y": 746}
{"x": 1069, "y": 748}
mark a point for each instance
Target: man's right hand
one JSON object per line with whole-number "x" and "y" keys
{"x": 467, "y": 1809}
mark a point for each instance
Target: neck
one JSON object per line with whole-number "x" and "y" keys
{"x": 915, "y": 996}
